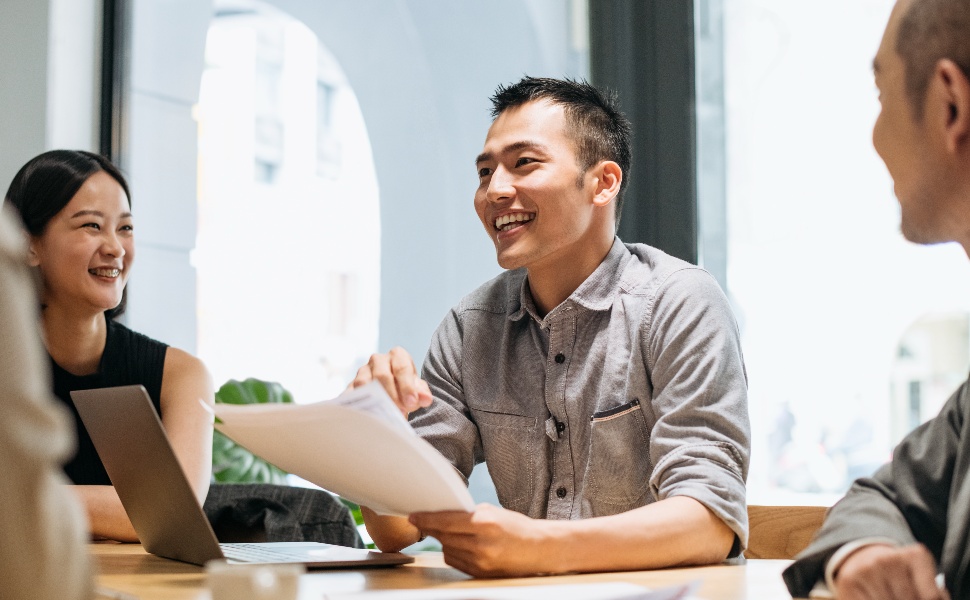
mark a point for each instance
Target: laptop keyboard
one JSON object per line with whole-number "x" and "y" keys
{"x": 258, "y": 553}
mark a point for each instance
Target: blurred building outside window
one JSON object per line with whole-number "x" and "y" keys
{"x": 852, "y": 336}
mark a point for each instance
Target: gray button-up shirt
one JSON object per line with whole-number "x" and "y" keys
{"x": 631, "y": 391}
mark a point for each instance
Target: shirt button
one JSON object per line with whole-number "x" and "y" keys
{"x": 560, "y": 427}
{"x": 561, "y": 492}
{"x": 560, "y": 358}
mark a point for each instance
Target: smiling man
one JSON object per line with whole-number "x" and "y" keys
{"x": 894, "y": 532}
{"x": 602, "y": 383}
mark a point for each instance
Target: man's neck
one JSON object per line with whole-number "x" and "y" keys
{"x": 552, "y": 283}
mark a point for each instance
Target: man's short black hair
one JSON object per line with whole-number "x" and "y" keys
{"x": 593, "y": 120}
{"x": 932, "y": 30}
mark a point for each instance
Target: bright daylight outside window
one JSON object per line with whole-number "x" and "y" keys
{"x": 288, "y": 252}
{"x": 852, "y": 336}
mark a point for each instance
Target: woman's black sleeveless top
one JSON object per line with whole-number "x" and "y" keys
{"x": 129, "y": 358}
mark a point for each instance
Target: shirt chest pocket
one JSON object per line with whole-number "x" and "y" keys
{"x": 618, "y": 469}
{"x": 510, "y": 443}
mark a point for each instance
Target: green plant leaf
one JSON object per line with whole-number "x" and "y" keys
{"x": 354, "y": 510}
{"x": 253, "y": 391}
{"x": 231, "y": 463}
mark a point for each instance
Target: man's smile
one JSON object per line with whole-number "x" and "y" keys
{"x": 513, "y": 220}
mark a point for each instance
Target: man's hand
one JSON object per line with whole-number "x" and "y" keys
{"x": 490, "y": 542}
{"x": 397, "y": 373}
{"x": 881, "y": 572}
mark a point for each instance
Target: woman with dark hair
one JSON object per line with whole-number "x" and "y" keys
{"x": 75, "y": 208}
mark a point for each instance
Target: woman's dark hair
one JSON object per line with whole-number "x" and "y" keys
{"x": 46, "y": 184}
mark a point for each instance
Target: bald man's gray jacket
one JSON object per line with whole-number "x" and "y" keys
{"x": 923, "y": 496}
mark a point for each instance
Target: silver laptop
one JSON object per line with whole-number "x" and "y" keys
{"x": 163, "y": 509}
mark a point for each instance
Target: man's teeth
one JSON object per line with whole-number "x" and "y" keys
{"x": 105, "y": 272}
{"x": 506, "y": 222}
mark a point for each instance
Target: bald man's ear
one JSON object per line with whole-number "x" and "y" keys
{"x": 609, "y": 177}
{"x": 949, "y": 91}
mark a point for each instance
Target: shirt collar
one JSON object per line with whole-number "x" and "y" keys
{"x": 599, "y": 289}
{"x": 520, "y": 298}
{"x": 596, "y": 293}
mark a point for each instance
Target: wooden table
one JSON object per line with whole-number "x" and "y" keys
{"x": 130, "y": 571}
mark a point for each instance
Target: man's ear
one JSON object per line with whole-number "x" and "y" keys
{"x": 950, "y": 91}
{"x": 608, "y": 176}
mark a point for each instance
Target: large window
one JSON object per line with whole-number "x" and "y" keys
{"x": 852, "y": 336}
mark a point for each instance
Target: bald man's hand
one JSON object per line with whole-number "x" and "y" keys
{"x": 882, "y": 572}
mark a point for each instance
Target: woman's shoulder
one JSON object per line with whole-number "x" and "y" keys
{"x": 181, "y": 361}
{"x": 178, "y": 367}
{"x": 185, "y": 372}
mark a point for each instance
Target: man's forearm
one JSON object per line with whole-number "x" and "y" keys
{"x": 390, "y": 534}
{"x": 675, "y": 531}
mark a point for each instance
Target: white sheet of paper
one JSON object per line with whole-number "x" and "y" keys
{"x": 580, "y": 591}
{"x": 357, "y": 445}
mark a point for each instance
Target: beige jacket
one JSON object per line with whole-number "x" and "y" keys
{"x": 43, "y": 553}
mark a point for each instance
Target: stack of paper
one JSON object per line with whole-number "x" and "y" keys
{"x": 357, "y": 445}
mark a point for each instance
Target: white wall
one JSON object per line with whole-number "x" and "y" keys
{"x": 24, "y": 33}
{"x": 49, "y": 65}
{"x": 74, "y": 74}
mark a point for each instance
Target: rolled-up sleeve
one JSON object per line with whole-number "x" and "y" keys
{"x": 446, "y": 424}
{"x": 701, "y": 437}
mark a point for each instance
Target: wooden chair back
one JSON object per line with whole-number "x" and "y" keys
{"x": 781, "y": 531}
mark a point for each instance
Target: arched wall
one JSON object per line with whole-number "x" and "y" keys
{"x": 422, "y": 72}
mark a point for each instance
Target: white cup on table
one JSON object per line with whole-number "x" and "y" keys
{"x": 253, "y": 582}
